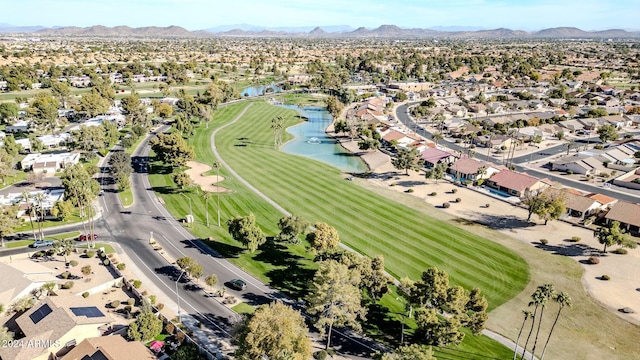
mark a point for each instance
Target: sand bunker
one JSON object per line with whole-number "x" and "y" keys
{"x": 207, "y": 183}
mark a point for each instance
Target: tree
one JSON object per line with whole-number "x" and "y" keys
{"x": 277, "y": 125}
{"x": 400, "y": 97}
{"x": 172, "y": 149}
{"x": 44, "y": 108}
{"x": 187, "y": 351}
{"x": 562, "y": 299}
{"x": 211, "y": 280}
{"x": 61, "y": 90}
{"x": 206, "y": 195}
{"x": 437, "y": 330}
{"x": 547, "y": 292}
{"x": 217, "y": 165}
{"x": 146, "y": 327}
{"x": 538, "y": 298}
{"x": 40, "y": 198}
{"x": 8, "y": 111}
{"x": 291, "y": 227}
{"x": 62, "y": 209}
{"x": 554, "y": 209}
{"x": 190, "y": 266}
{"x": 182, "y": 179}
{"x": 8, "y": 221}
{"x": 64, "y": 248}
{"x": 93, "y": 104}
{"x": 274, "y": 331}
{"x": 527, "y": 314}
{"x": 436, "y": 172}
{"x": 10, "y": 146}
{"x": 612, "y": 235}
{"x": 88, "y": 138}
{"x": 334, "y": 298}
{"x": 334, "y": 106}
{"x": 164, "y": 110}
{"x": 548, "y": 205}
{"x": 607, "y": 133}
{"x": 437, "y": 136}
{"x": 340, "y": 126}
{"x": 245, "y": 230}
{"x": 120, "y": 167}
{"x": 407, "y": 159}
{"x": 324, "y": 237}
{"x": 26, "y": 197}
{"x": 410, "y": 352}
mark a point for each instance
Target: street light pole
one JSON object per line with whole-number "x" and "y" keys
{"x": 178, "y": 295}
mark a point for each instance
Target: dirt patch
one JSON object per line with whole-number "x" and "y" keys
{"x": 206, "y": 182}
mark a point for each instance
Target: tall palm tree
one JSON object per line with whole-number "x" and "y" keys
{"x": 437, "y": 136}
{"x": 26, "y": 197}
{"x": 527, "y": 314}
{"x": 277, "y": 125}
{"x": 40, "y": 198}
{"x": 217, "y": 165}
{"x": 206, "y": 195}
{"x": 563, "y": 299}
{"x": 548, "y": 292}
{"x": 537, "y": 298}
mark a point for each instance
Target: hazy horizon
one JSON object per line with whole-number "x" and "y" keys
{"x": 529, "y": 15}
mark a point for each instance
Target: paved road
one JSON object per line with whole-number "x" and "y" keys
{"x": 522, "y": 161}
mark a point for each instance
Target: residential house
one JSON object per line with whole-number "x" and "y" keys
{"x": 577, "y": 204}
{"x": 18, "y": 126}
{"x": 109, "y": 347}
{"x": 56, "y": 324}
{"x": 411, "y": 86}
{"x": 59, "y": 160}
{"x": 298, "y": 79}
{"x": 20, "y": 277}
{"x": 517, "y": 184}
{"x": 627, "y": 214}
{"x": 581, "y": 163}
{"x": 433, "y": 156}
{"x": 618, "y": 121}
{"x": 471, "y": 169}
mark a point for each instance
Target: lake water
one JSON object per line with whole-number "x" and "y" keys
{"x": 311, "y": 141}
{"x": 260, "y": 90}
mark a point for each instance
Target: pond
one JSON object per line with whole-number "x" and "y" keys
{"x": 260, "y": 90}
{"x": 311, "y": 141}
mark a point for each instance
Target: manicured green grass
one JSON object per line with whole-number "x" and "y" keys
{"x": 26, "y": 226}
{"x": 16, "y": 177}
{"x": 126, "y": 197}
{"x": 107, "y": 248}
{"x": 244, "y": 308}
{"x": 17, "y": 244}
{"x": 71, "y": 235}
{"x": 371, "y": 224}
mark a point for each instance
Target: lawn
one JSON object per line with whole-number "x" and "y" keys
{"x": 126, "y": 197}
{"x": 107, "y": 248}
{"x": 26, "y": 226}
{"x": 244, "y": 308}
{"x": 370, "y": 224}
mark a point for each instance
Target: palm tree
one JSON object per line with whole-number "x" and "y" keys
{"x": 548, "y": 292}
{"x": 206, "y": 195}
{"x": 217, "y": 165}
{"x": 40, "y": 198}
{"x": 277, "y": 124}
{"x": 570, "y": 145}
{"x": 563, "y": 299}
{"x": 527, "y": 314}
{"x": 537, "y": 298}
{"x": 26, "y": 196}
{"x": 437, "y": 136}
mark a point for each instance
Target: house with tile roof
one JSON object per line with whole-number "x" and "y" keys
{"x": 627, "y": 214}
{"x": 433, "y": 156}
{"x": 467, "y": 168}
{"x": 517, "y": 184}
{"x": 54, "y": 325}
{"x": 110, "y": 348}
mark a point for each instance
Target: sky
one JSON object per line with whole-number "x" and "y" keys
{"x": 202, "y": 14}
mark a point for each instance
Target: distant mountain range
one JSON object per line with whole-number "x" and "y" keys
{"x": 340, "y": 31}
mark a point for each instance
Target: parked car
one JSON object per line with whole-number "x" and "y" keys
{"x": 237, "y": 284}
{"x": 85, "y": 237}
{"x": 42, "y": 243}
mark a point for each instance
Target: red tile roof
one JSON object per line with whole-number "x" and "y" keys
{"x": 514, "y": 180}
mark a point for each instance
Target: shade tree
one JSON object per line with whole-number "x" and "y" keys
{"x": 245, "y": 230}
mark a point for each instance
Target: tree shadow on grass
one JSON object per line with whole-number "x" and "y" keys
{"x": 380, "y": 325}
{"x": 291, "y": 276}
{"x": 499, "y": 222}
{"x": 165, "y": 189}
{"x": 219, "y": 249}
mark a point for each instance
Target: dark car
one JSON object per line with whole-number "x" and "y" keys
{"x": 237, "y": 284}
{"x": 85, "y": 237}
{"x": 42, "y": 243}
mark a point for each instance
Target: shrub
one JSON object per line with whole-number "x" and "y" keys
{"x": 106, "y": 262}
{"x": 131, "y": 301}
{"x": 594, "y": 260}
{"x": 433, "y": 193}
{"x": 145, "y": 292}
{"x": 137, "y": 284}
{"x": 73, "y": 263}
{"x": 67, "y": 285}
{"x": 446, "y": 205}
{"x": 605, "y": 277}
{"x": 128, "y": 309}
{"x": 487, "y": 205}
{"x": 453, "y": 191}
{"x": 180, "y": 336}
{"x": 320, "y": 355}
{"x": 86, "y": 270}
{"x": 114, "y": 304}
{"x": 160, "y": 306}
{"x": 620, "y": 251}
{"x": 409, "y": 191}
{"x": 90, "y": 254}
{"x": 121, "y": 266}
{"x": 127, "y": 142}
{"x": 152, "y": 299}
{"x": 458, "y": 200}
{"x": 575, "y": 238}
{"x": 169, "y": 328}
{"x": 65, "y": 275}
{"x": 544, "y": 241}
{"x": 85, "y": 294}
